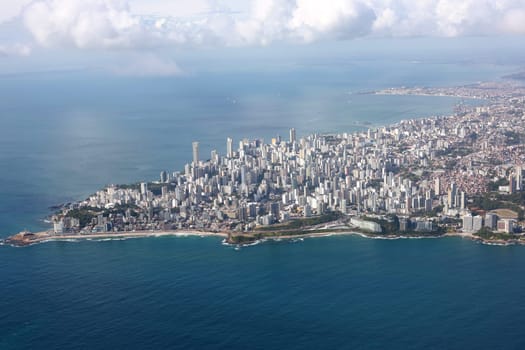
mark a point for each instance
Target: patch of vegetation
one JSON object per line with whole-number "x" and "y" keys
{"x": 488, "y": 234}
{"x": 513, "y": 138}
{"x": 375, "y": 184}
{"x": 129, "y": 186}
{"x": 244, "y": 238}
{"x": 121, "y": 209}
{"x": 451, "y": 221}
{"x": 450, "y": 164}
{"x": 430, "y": 214}
{"x": 411, "y": 176}
{"x": 154, "y": 187}
{"x": 473, "y": 136}
{"x": 491, "y": 201}
{"x": 455, "y": 152}
{"x": 494, "y": 185}
{"x": 84, "y": 215}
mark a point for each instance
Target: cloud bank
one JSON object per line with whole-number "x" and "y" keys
{"x": 147, "y": 65}
{"x": 15, "y": 50}
{"x": 117, "y": 25}
{"x": 103, "y": 24}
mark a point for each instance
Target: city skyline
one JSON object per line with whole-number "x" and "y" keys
{"x": 430, "y": 176}
{"x": 262, "y": 174}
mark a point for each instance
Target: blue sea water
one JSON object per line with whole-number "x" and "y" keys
{"x": 330, "y": 293}
{"x": 65, "y": 135}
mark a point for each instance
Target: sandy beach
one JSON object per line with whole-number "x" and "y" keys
{"x": 22, "y": 239}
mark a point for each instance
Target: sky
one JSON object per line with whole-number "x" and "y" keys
{"x": 147, "y": 37}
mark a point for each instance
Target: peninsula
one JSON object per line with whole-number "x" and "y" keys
{"x": 438, "y": 176}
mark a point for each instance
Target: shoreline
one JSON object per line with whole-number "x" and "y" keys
{"x": 24, "y": 239}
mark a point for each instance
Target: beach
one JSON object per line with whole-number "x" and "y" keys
{"x": 27, "y": 238}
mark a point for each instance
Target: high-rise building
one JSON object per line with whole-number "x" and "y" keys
{"x": 437, "y": 186}
{"x": 58, "y": 227}
{"x": 214, "y": 157}
{"x": 163, "y": 176}
{"x": 307, "y": 211}
{"x": 468, "y": 223}
{"x": 229, "y": 147}
{"x": 519, "y": 178}
{"x": 452, "y": 195}
{"x": 477, "y": 223}
{"x": 243, "y": 174}
{"x": 275, "y": 210}
{"x": 491, "y": 221}
{"x": 292, "y": 135}
{"x": 143, "y": 188}
{"x": 195, "y": 153}
{"x": 505, "y": 225}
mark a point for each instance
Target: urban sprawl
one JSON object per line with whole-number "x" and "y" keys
{"x": 463, "y": 172}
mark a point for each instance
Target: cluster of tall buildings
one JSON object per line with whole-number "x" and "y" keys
{"x": 415, "y": 168}
{"x": 490, "y": 221}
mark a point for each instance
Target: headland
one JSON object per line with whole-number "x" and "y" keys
{"x": 459, "y": 175}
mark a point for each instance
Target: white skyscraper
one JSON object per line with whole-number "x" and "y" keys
{"x": 292, "y": 135}
{"x": 229, "y": 147}
{"x": 519, "y": 178}
{"x": 491, "y": 220}
{"x": 195, "y": 153}
{"x": 452, "y": 195}
{"x": 477, "y": 223}
{"x": 468, "y": 223}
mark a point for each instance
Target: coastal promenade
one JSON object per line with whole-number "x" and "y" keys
{"x": 25, "y": 238}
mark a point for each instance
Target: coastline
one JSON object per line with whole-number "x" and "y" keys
{"x": 125, "y": 211}
{"x": 24, "y": 239}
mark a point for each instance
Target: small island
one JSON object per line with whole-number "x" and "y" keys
{"x": 459, "y": 175}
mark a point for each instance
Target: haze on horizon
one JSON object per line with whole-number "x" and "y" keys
{"x": 169, "y": 38}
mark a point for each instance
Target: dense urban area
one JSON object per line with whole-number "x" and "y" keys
{"x": 461, "y": 173}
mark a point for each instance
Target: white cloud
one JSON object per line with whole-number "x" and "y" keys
{"x": 514, "y": 22}
{"x": 448, "y": 18}
{"x": 144, "y": 65}
{"x": 341, "y": 19}
{"x": 304, "y": 21}
{"x": 15, "y": 50}
{"x": 102, "y": 24}
{"x": 83, "y": 24}
{"x": 170, "y": 8}
{"x": 10, "y": 9}
{"x": 139, "y": 26}
{"x": 265, "y": 23}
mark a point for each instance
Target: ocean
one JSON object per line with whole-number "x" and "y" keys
{"x": 320, "y": 293}
{"x": 64, "y": 135}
